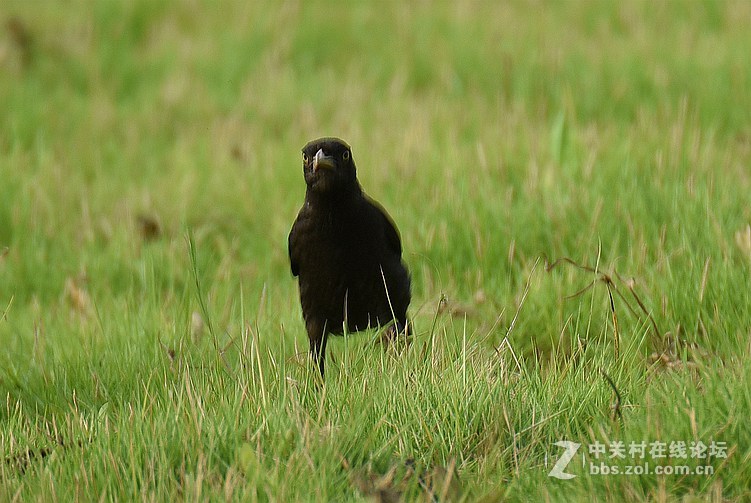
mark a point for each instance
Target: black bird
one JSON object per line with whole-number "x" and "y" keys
{"x": 346, "y": 251}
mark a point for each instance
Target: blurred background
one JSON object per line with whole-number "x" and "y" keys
{"x": 494, "y": 132}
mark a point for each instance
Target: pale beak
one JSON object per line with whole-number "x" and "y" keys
{"x": 321, "y": 160}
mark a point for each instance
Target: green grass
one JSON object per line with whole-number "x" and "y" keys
{"x": 499, "y": 137}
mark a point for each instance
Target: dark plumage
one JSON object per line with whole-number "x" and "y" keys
{"x": 346, "y": 252}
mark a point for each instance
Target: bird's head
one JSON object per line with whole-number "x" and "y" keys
{"x": 328, "y": 166}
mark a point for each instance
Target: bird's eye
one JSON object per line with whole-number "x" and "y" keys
{"x": 305, "y": 157}
{"x": 345, "y": 155}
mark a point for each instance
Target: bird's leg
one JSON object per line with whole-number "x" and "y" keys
{"x": 403, "y": 327}
{"x": 318, "y": 336}
{"x": 318, "y": 352}
{"x": 396, "y": 334}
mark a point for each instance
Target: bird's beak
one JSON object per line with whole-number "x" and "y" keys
{"x": 321, "y": 160}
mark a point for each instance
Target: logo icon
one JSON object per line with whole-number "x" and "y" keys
{"x": 560, "y": 465}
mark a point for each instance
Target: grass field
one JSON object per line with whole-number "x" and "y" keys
{"x": 153, "y": 346}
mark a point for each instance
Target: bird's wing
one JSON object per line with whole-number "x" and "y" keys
{"x": 389, "y": 228}
{"x": 291, "y": 250}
